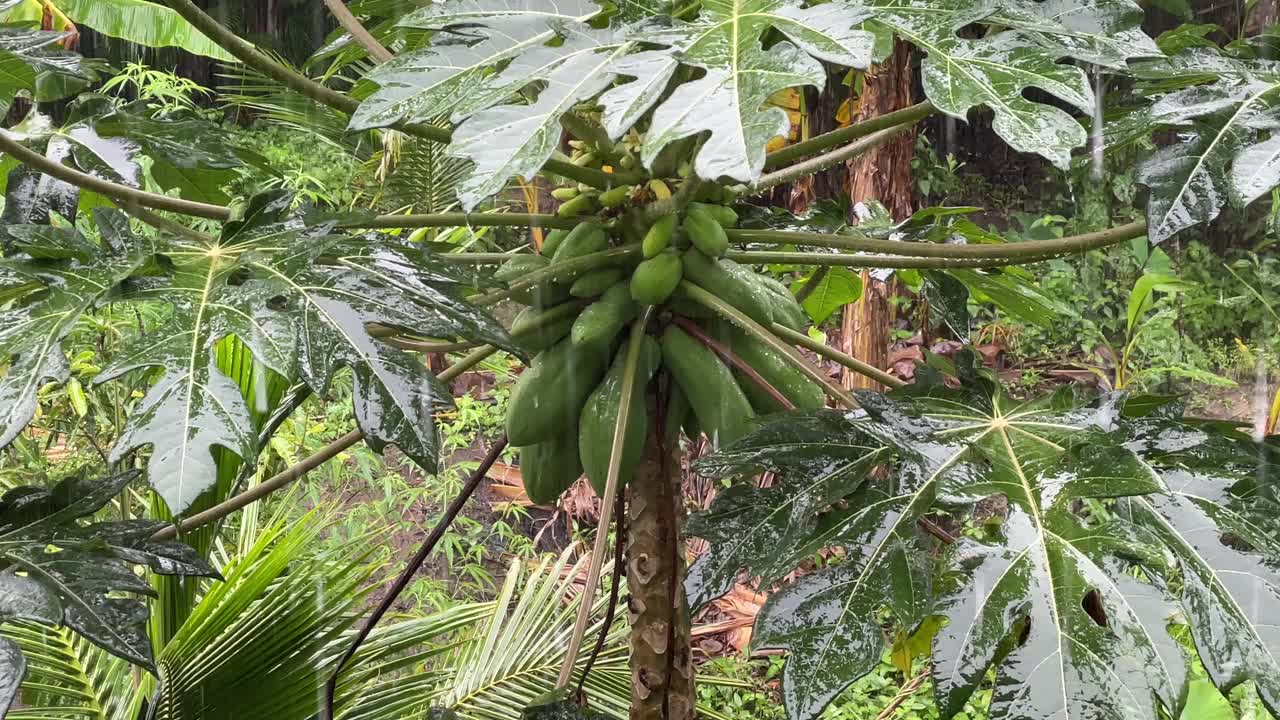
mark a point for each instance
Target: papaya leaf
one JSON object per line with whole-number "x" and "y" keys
{"x": 193, "y": 407}
{"x": 31, "y": 196}
{"x": 961, "y": 73}
{"x": 1069, "y": 605}
{"x": 330, "y": 307}
{"x": 1225, "y": 154}
{"x": 1103, "y": 32}
{"x": 772, "y": 526}
{"x": 515, "y": 140}
{"x": 454, "y": 79}
{"x": 731, "y": 100}
{"x": 72, "y": 573}
{"x": 55, "y": 293}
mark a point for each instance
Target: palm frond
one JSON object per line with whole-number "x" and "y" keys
{"x": 258, "y": 644}
{"x": 510, "y": 654}
{"x": 417, "y": 175}
{"x": 266, "y": 98}
{"x": 67, "y": 677}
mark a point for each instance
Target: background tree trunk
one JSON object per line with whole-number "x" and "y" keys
{"x": 883, "y": 174}
{"x": 661, "y": 662}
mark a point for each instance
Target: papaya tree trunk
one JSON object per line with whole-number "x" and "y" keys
{"x": 884, "y": 174}
{"x": 661, "y": 662}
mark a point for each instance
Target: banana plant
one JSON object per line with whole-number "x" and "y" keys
{"x": 647, "y": 316}
{"x": 136, "y": 21}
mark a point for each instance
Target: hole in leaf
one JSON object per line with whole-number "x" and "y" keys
{"x": 1092, "y": 604}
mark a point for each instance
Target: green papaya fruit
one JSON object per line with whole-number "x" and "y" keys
{"x": 655, "y": 279}
{"x": 580, "y": 204}
{"x": 722, "y": 409}
{"x": 584, "y": 239}
{"x": 723, "y": 215}
{"x": 615, "y": 196}
{"x": 600, "y": 416}
{"x": 548, "y": 397}
{"x": 536, "y": 329}
{"x": 675, "y": 412}
{"x": 519, "y": 266}
{"x": 705, "y": 233}
{"x": 552, "y": 241}
{"x": 659, "y": 236}
{"x": 731, "y": 282}
{"x": 543, "y": 294}
{"x": 787, "y": 311}
{"x": 772, "y": 367}
{"x": 595, "y": 282}
{"x": 550, "y": 467}
{"x": 600, "y": 323}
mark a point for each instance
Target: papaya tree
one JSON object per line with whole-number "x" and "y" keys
{"x": 650, "y": 316}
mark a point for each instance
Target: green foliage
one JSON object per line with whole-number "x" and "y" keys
{"x": 955, "y": 448}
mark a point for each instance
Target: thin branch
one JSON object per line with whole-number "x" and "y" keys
{"x": 262, "y": 489}
{"x": 737, "y": 317}
{"x": 993, "y": 251}
{"x": 352, "y": 25}
{"x": 751, "y": 257}
{"x": 162, "y": 223}
{"x": 619, "y": 545}
{"x": 535, "y": 220}
{"x": 112, "y": 190}
{"x": 822, "y": 162}
{"x": 411, "y": 569}
{"x": 731, "y": 358}
{"x": 909, "y": 115}
{"x": 304, "y": 466}
{"x": 831, "y": 353}
{"x": 908, "y": 689}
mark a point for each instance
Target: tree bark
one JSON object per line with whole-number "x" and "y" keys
{"x": 884, "y": 174}
{"x": 661, "y": 661}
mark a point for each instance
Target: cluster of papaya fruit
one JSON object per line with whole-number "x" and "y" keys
{"x": 564, "y": 408}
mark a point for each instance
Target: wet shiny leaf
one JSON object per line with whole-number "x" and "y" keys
{"x": 1068, "y": 602}
{"x": 961, "y": 73}
{"x": 454, "y": 79}
{"x": 731, "y": 100}
{"x": 57, "y": 293}
{"x": 193, "y": 407}
{"x": 13, "y": 666}
{"x": 74, "y": 573}
{"x": 1226, "y": 153}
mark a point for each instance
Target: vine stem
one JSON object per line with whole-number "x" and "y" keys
{"x": 254, "y": 58}
{"x": 49, "y": 167}
{"x": 831, "y": 353}
{"x": 352, "y": 25}
{"x": 737, "y": 317}
{"x": 907, "y": 116}
{"x": 996, "y": 251}
{"x": 611, "y": 483}
{"x": 411, "y": 569}
{"x": 295, "y": 472}
{"x": 826, "y": 160}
